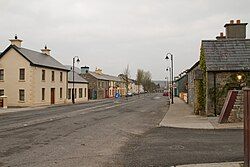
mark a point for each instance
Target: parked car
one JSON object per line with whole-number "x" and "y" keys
{"x": 165, "y": 94}
{"x": 129, "y": 94}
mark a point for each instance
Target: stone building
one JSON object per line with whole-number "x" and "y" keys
{"x": 226, "y": 65}
{"x": 102, "y": 85}
{"x": 193, "y": 76}
{"x": 31, "y": 78}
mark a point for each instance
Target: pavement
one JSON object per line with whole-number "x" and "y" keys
{"x": 226, "y": 164}
{"x": 181, "y": 115}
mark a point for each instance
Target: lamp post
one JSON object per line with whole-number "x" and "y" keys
{"x": 172, "y": 74}
{"x": 73, "y": 91}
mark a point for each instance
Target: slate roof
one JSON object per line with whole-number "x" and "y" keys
{"x": 37, "y": 58}
{"x": 195, "y": 65}
{"x": 105, "y": 77}
{"x": 70, "y": 67}
{"x": 78, "y": 78}
{"x": 227, "y": 55}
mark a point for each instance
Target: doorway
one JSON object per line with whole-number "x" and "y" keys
{"x": 52, "y": 96}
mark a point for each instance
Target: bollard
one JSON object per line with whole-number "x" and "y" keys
{"x": 246, "y": 127}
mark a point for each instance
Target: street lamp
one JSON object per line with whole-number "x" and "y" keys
{"x": 172, "y": 74}
{"x": 73, "y": 92}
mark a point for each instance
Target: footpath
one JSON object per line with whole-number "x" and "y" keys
{"x": 181, "y": 115}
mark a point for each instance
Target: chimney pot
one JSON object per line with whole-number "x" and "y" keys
{"x": 46, "y": 50}
{"x": 221, "y": 34}
{"x": 231, "y": 21}
{"x": 238, "y": 21}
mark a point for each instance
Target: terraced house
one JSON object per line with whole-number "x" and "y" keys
{"x": 31, "y": 78}
{"x": 102, "y": 85}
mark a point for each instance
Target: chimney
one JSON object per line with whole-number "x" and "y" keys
{"x": 46, "y": 50}
{"x": 84, "y": 70}
{"x": 235, "y": 29}
{"x": 221, "y": 36}
{"x": 17, "y": 42}
{"x": 98, "y": 71}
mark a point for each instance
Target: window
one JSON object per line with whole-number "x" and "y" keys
{"x": 21, "y": 95}
{"x": 60, "y": 93}
{"x": 43, "y": 93}
{"x": 43, "y": 75}
{"x": 22, "y": 74}
{"x": 1, "y": 74}
{"x": 69, "y": 93}
{"x": 85, "y": 92}
{"x": 102, "y": 84}
{"x": 52, "y": 75}
{"x": 1, "y": 92}
{"x": 99, "y": 84}
{"x": 61, "y": 76}
{"x": 80, "y": 92}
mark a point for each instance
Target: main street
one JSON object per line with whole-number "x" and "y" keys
{"x": 111, "y": 132}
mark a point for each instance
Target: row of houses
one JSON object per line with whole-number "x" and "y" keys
{"x": 223, "y": 65}
{"x": 31, "y": 78}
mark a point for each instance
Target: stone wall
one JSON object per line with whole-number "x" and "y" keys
{"x": 223, "y": 81}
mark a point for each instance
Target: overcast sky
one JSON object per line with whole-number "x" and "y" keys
{"x": 109, "y": 34}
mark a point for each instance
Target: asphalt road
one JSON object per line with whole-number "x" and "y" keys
{"x": 109, "y": 133}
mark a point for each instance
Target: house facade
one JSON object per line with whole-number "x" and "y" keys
{"x": 194, "y": 75}
{"x": 181, "y": 87}
{"x": 98, "y": 84}
{"x": 225, "y": 65}
{"x": 31, "y": 78}
{"x": 102, "y": 85}
{"x": 80, "y": 88}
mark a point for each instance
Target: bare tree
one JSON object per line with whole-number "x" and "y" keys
{"x": 125, "y": 77}
{"x": 139, "y": 78}
{"x": 147, "y": 81}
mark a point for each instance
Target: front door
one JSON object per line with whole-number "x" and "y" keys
{"x": 1, "y": 102}
{"x": 52, "y": 96}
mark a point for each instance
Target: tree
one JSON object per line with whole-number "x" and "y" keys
{"x": 147, "y": 81}
{"x": 139, "y": 78}
{"x": 125, "y": 77}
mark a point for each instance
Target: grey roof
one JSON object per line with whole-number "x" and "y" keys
{"x": 77, "y": 78}
{"x": 195, "y": 65}
{"x": 105, "y": 77}
{"x": 37, "y": 58}
{"x": 70, "y": 67}
{"x": 227, "y": 55}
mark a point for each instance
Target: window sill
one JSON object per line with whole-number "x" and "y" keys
{"x": 21, "y": 81}
{"x": 1, "y": 80}
{"x": 21, "y": 101}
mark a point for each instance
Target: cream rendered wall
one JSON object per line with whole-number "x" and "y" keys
{"x": 11, "y": 62}
{"x": 111, "y": 88}
{"x": 77, "y": 86}
{"x": 38, "y": 84}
